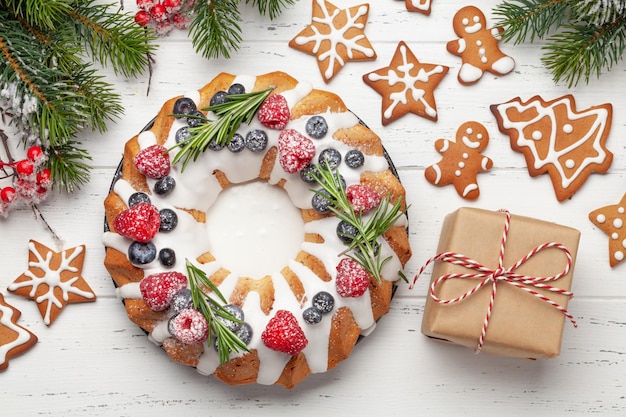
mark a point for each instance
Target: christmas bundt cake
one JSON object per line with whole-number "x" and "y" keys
{"x": 255, "y": 229}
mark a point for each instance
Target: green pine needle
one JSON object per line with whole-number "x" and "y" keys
{"x": 582, "y": 37}
{"x": 211, "y": 309}
{"x": 238, "y": 109}
{"x": 364, "y": 247}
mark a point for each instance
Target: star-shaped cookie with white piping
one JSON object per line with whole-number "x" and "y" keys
{"x": 53, "y": 279}
{"x": 335, "y": 36}
{"x": 406, "y": 86}
{"x": 612, "y": 221}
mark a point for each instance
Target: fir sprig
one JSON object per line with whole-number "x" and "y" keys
{"x": 216, "y": 27}
{"x": 364, "y": 247}
{"x": 238, "y": 109}
{"x": 227, "y": 341}
{"x": 582, "y": 37}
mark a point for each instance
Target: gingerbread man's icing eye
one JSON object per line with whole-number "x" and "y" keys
{"x": 476, "y": 19}
{"x": 465, "y": 21}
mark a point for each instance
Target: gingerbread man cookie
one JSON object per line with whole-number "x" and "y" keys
{"x": 612, "y": 221}
{"x": 477, "y": 46}
{"x": 335, "y": 36}
{"x": 53, "y": 279}
{"x": 462, "y": 160}
{"x": 14, "y": 339}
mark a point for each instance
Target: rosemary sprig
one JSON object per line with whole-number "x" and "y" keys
{"x": 237, "y": 109}
{"x": 364, "y": 247}
{"x": 227, "y": 340}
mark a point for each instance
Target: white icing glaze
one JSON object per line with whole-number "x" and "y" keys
{"x": 554, "y": 153}
{"x": 422, "y": 5}
{"x": 191, "y": 239}
{"x": 600, "y": 218}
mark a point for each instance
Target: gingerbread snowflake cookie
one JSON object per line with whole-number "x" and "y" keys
{"x": 477, "y": 46}
{"x": 557, "y": 139}
{"x": 14, "y": 339}
{"x": 53, "y": 279}
{"x": 335, "y": 36}
{"x": 406, "y": 86}
{"x": 612, "y": 221}
{"x": 461, "y": 160}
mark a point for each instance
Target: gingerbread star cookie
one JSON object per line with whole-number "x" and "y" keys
{"x": 53, "y": 279}
{"x": 406, "y": 86}
{"x": 557, "y": 139}
{"x": 420, "y": 6}
{"x": 14, "y": 339}
{"x": 477, "y": 46}
{"x": 461, "y": 160}
{"x": 335, "y": 36}
{"x": 612, "y": 221}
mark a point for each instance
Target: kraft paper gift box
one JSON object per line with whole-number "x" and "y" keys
{"x": 521, "y": 324}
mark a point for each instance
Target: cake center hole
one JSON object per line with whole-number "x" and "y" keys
{"x": 254, "y": 229}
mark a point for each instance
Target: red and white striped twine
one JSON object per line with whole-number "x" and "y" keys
{"x": 500, "y": 274}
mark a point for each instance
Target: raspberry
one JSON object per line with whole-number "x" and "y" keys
{"x": 362, "y": 198}
{"x": 352, "y": 279}
{"x": 139, "y": 222}
{"x": 159, "y": 289}
{"x": 153, "y": 161}
{"x": 295, "y": 150}
{"x": 274, "y": 112}
{"x": 284, "y": 334}
{"x": 190, "y": 326}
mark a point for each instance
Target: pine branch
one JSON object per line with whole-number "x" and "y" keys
{"x": 525, "y": 20}
{"x": 113, "y": 38}
{"x": 271, "y": 8}
{"x": 42, "y": 13}
{"x": 67, "y": 165}
{"x": 215, "y": 30}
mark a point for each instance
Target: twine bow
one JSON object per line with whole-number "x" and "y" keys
{"x": 500, "y": 274}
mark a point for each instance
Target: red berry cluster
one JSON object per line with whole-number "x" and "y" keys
{"x": 31, "y": 181}
{"x": 164, "y": 15}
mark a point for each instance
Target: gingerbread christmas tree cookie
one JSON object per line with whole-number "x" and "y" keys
{"x": 557, "y": 139}
{"x": 612, "y": 221}
{"x": 406, "y": 85}
{"x": 53, "y": 279}
{"x": 14, "y": 339}
{"x": 335, "y": 36}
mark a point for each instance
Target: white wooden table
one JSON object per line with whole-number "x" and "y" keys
{"x": 94, "y": 361}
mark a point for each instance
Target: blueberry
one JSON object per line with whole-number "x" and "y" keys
{"x": 346, "y": 232}
{"x": 245, "y": 333}
{"x": 167, "y": 257}
{"x": 316, "y": 127}
{"x": 170, "y": 323}
{"x": 196, "y": 118}
{"x": 182, "y": 300}
{"x": 256, "y": 140}
{"x": 306, "y": 174}
{"x": 169, "y": 220}
{"x": 236, "y": 312}
{"x": 354, "y": 158}
{"x": 332, "y": 156}
{"x": 214, "y": 146}
{"x": 183, "y": 106}
{"x": 324, "y": 302}
{"x": 218, "y": 98}
{"x": 140, "y": 253}
{"x": 182, "y": 134}
{"x": 237, "y": 143}
{"x": 165, "y": 185}
{"x": 321, "y": 202}
{"x": 138, "y": 197}
{"x": 312, "y": 315}
{"x": 236, "y": 89}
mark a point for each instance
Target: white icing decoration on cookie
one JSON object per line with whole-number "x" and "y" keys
{"x": 552, "y": 154}
{"x": 618, "y": 223}
{"x": 469, "y": 189}
{"x": 570, "y": 163}
{"x": 22, "y": 335}
{"x": 600, "y": 218}
{"x": 620, "y": 210}
{"x": 568, "y": 128}
{"x": 423, "y": 5}
{"x": 437, "y": 172}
